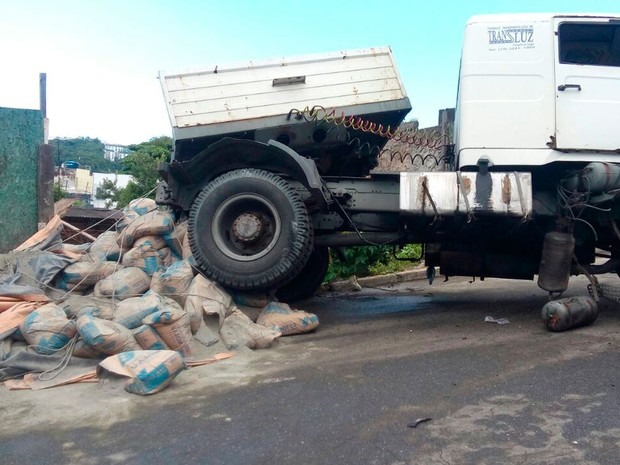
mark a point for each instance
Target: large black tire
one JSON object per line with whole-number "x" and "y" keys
{"x": 309, "y": 279}
{"x": 249, "y": 230}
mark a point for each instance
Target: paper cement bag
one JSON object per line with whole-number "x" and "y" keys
{"x": 174, "y": 239}
{"x": 239, "y": 331}
{"x": 125, "y": 283}
{"x": 174, "y": 281}
{"x": 145, "y": 257}
{"x": 157, "y": 242}
{"x": 75, "y": 288}
{"x": 173, "y": 326}
{"x": 47, "y": 329}
{"x": 75, "y": 306}
{"x": 168, "y": 257}
{"x": 148, "y": 338}
{"x": 155, "y": 223}
{"x": 208, "y": 297}
{"x": 281, "y": 317}
{"x": 106, "y": 336}
{"x": 130, "y": 312}
{"x": 88, "y": 273}
{"x": 134, "y": 210}
{"x": 187, "y": 251}
{"x": 106, "y": 246}
{"x": 83, "y": 350}
{"x": 150, "y": 370}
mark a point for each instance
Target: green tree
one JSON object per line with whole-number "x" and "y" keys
{"x": 142, "y": 163}
{"x": 84, "y": 150}
{"x": 108, "y": 191}
{"x": 59, "y": 192}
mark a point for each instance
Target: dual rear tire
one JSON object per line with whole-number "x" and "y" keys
{"x": 250, "y": 230}
{"x": 309, "y": 279}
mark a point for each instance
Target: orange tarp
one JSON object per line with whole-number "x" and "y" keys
{"x": 13, "y": 316}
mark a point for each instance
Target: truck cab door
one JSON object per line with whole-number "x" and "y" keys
{"x": 587, "y": 74}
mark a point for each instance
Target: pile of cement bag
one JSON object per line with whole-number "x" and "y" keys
{"x": 133, "y": 298}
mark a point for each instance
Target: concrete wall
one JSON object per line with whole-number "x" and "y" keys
{"x": 83, "y": 181}
{"x": 21, "y": 135}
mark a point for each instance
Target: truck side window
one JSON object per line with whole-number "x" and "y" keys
{"x": 595, "y": 44}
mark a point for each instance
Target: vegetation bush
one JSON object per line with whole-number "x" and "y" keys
{"x": 59, "y": 192}
{"x": 86, "y": 151}
{"x": 372, "y": 260}
{"x": 141, "y": 164}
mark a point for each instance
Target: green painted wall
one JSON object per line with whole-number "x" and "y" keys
{"x": 21, "y": 134}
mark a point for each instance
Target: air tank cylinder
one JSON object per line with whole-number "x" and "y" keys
{"x": 596, "y": 177}
{"x": 557, "y": 255}
{"x": 568, "y": 313}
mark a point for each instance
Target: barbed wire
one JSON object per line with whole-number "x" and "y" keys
{"x": 408, "y": 136}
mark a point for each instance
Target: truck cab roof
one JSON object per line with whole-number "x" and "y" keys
{"x": 494, "y": 18}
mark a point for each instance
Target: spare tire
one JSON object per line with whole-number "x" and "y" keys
{"x": 249, "y": 230}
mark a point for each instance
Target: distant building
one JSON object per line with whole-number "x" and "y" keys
{"x": 87, "y": 186}
{"x": 76, "y": 183}
{"x": 115, "y": 152}
{"x": 83, "y": 181}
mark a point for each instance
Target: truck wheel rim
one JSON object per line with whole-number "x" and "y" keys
{"x": 246, "y": 227}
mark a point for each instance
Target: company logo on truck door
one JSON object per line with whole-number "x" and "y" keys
{"x": 512, "y": 36}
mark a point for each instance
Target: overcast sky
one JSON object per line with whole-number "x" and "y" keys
{"x": 102, "y": 57}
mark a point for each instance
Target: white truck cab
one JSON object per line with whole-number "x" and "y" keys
{"x": 539, "y": 88}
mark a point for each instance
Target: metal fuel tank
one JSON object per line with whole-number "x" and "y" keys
{"x": 555, "y": 262}
{"x": 569, "y": 313}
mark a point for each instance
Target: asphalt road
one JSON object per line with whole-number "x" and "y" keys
{"x": 345, "y": 394}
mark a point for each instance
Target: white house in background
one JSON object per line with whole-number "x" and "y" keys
{"x": 115, "y": 152}
{"x": 121, "y": 181}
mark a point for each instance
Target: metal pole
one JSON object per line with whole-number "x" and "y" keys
{"x": 43, "y": 105}
{"x": 43, "y": 93}
{"x": 444, "y": 137}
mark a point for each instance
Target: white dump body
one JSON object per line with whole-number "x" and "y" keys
{"x": 220, "y": 99}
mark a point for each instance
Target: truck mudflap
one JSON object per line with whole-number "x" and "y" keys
{"x": 468, "y": 193}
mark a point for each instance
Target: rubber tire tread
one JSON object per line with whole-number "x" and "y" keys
{"x": 309, "y": 279}
{"x": 283, "y": 271}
